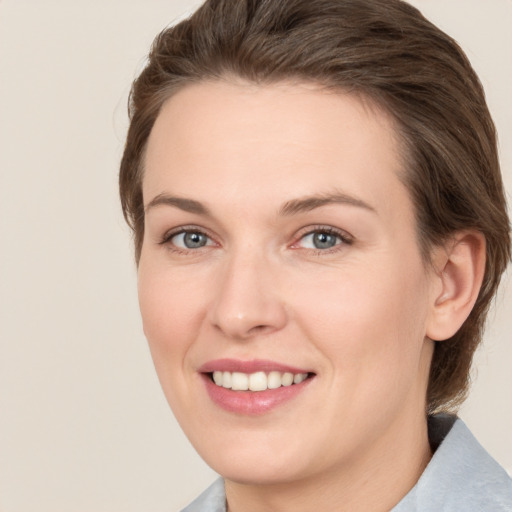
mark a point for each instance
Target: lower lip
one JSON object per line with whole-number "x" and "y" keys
{"x": 252, "y": 402}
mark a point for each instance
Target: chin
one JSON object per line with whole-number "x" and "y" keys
{"x": 253, "y": 459}
{"x": 260, "y": 472}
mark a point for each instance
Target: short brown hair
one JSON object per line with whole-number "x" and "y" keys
{"x": 384, "y": 50}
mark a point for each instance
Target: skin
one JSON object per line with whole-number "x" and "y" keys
{"x": 359, "y": 315}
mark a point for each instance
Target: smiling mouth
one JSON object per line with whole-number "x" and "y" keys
{"x": 257, "y": 381}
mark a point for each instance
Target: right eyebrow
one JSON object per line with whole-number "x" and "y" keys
{"x": 309, "y": 203}
{"x": 187, "y": 205}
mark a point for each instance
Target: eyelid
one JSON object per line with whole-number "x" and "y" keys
{"x": 345, "y": 237}
{"x": 171, "y": 233}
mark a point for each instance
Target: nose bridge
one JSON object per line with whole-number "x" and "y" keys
{"x": 247, "y": 299}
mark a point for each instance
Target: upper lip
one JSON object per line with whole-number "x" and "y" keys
{"x": 253, "y": 366}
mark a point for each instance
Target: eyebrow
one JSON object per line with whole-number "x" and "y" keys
{"x": 187, "y": 205}
{"x": 309, "y": 203}
{"x": 292, "y": 207}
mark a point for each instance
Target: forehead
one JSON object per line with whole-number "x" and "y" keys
{"x": 275, "y": 140}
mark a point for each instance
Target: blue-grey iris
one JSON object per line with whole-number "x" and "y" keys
{"x": 194, "y": 240}
{"x": 324, "y": 240}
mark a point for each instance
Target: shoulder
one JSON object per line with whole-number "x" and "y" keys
{"x": 212, "y": 499}
{"x": 460, "y": 476}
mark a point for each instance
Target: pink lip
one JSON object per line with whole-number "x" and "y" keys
{"x": 256, "y": 365}
{"x": 250, "y": 402}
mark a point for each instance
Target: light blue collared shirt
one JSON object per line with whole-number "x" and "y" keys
{"x": 460, "y": 477}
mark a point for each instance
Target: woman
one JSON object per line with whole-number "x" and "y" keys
{"x": 320, "y": 226}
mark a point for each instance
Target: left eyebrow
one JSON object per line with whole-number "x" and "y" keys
{"x": 183, "y": 203}
{"x": 309, "y": 203}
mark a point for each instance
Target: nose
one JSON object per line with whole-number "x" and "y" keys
{"x": 247, "y": 298}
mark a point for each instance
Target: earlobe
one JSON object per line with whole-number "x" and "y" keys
{"x": 460, "y": 266}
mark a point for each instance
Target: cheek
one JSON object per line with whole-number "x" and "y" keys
{"x": 368, "y": 323}
{"x": 171, "y": 310}
{"x": 171, "y": 315}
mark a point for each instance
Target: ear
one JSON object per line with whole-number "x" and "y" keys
{"x": 459, "y": 270}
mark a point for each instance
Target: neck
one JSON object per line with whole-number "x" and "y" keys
{"x": 376, "y": 481}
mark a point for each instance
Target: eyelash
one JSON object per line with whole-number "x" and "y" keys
{"x": 343, "y": 236}
{"x": 169, "y": 235}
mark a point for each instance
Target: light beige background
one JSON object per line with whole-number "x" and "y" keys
{"x": 83, "y": 423}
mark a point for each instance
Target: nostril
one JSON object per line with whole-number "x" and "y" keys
{"x": 260, "y": 329}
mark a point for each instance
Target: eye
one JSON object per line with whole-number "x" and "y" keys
{"x": 323, "y": 239}
{"x": 189, "y": 240}
{"x": 319, "y": 240}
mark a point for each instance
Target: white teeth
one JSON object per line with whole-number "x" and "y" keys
{"x": 258, "y": 381}
{"x": 226, "y": 380}
{"x": 239, "y": 381}
{"x": 274, "y": 380}
{"x": 299, "y": 377}
{"x": 287, "y": 379}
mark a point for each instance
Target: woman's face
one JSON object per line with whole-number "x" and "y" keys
{"x": 279, "y": 240}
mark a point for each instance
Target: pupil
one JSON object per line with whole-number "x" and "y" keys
{"x": 324, "y": 241}
{"x": 194, "y": 240}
